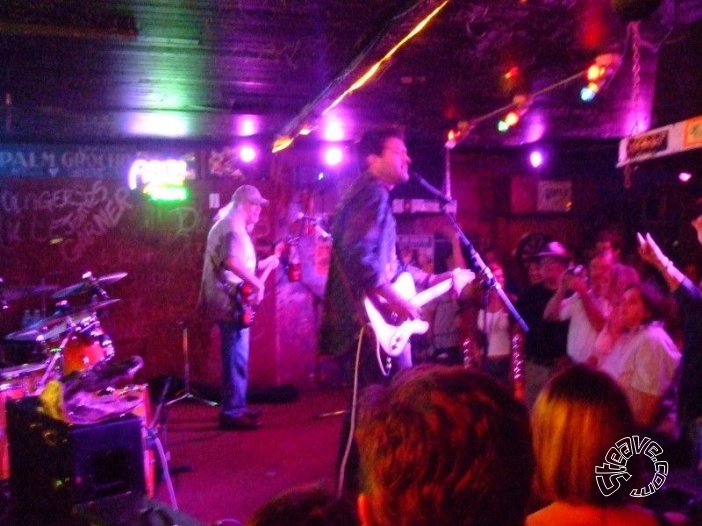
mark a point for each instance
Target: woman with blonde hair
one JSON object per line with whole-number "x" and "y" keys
{"x": 579, "y": 416}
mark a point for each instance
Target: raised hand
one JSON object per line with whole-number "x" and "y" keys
{"x": 650, "y": 252}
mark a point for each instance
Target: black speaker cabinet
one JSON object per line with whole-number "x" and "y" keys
{"x": 55, "y": 466}
{"x": 130, "y": 510}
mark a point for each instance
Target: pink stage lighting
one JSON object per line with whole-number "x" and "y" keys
{"x": 247, "y": 154}
{"x": 333, "y": 155}
{"x": 684, "y": 177}
{"x": 536, "y": 158}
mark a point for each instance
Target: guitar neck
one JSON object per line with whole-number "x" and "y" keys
{"x": 421, "y": 298}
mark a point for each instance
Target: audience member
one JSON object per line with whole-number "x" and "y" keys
{"x": 578, "y": 417}
{"x": 445, "y": 312}
{"x": 443, "y": 446}
{"x": 623, "y": 275}
{"x": 546, "y": 341}
{"x": 689, "y": 298}
{"x": 644, "y": 361}
{"x": 495, "y": 323}
{"x": 310, "y": 505}
{"x": 587, "y": 308}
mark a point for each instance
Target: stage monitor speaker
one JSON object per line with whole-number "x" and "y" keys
{"x": 130, "y": 510}
{"x": 55, "y": 466}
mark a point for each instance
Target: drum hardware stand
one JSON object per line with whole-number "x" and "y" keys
{"x": 58, "y": 353}
{"x": 187, "y": 393}
{"x": 154, "y": 441}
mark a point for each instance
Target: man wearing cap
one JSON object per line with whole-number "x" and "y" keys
{"x": 546, "y": 341}
{"x": 230, "y": 261}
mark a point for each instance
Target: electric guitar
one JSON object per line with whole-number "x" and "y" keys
{"x": 243, "y": 297}
{"x": 392, "y": 333}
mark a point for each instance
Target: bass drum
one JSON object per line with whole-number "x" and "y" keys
{"x": 86, "y": 349}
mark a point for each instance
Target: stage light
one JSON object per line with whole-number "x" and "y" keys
{"x": 598, "y": 74}
{"x": 536, "y": 159}
{"x": 333, "y": 155}
{"x": 333, "y": 131}
{"x": 684, "y": 177}
{"x": 247, "y": 153}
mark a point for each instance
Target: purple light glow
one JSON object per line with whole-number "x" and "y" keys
{"x": 684, "y": 177}
{"x": 247, "y": 154}
{"x": 536, "y": 158}
{"x": 333, "y": 155}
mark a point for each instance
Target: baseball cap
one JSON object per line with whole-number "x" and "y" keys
{"x": 553, "y": 249}
{"x": 248, "y": 193}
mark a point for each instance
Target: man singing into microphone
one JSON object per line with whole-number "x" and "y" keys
{"x": 363, "y": 264}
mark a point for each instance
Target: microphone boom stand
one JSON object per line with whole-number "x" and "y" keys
{"x": 477, "y": 264}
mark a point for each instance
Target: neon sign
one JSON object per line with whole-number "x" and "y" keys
{"x": 161, "y": 180}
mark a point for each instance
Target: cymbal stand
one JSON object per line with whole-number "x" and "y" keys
{"x": 154, "y": 441}
{"x": 58, "y": 353}
{"x": 187, "y": 393}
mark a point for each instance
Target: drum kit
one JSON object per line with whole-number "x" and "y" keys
{"x": 70, "y": 346}
{"x": 68, "y": 343}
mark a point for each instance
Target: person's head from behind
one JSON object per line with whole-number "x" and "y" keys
{"x": 577, "y": 418}
{"x": 384, "y": 153}
{"x": 443, "y": 445}
{"x": 310, "y": 505}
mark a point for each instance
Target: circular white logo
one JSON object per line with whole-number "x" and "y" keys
{"x": 609, "y": 476}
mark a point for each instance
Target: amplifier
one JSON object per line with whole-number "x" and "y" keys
{"x": 131, "y": 510}
{"x": 55, "y": 466}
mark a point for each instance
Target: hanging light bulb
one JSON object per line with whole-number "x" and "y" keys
{"x": 598, "y": 74}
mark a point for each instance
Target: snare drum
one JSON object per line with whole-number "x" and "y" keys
{"x": 86, "y": 349}
{"x": 8, "y": 391}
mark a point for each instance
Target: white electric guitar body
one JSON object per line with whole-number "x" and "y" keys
{"x": 392, "y": 333}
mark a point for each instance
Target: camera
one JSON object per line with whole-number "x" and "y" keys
{"x": 576, "y": 271}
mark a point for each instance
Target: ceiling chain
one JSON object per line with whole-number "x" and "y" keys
{"x": 635, "y": 92}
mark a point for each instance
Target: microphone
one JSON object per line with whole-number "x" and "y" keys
{"x": 435, "y": 192}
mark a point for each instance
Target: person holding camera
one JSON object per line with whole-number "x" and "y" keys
{"x": 582, "y": 299}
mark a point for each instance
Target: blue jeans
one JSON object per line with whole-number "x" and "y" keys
{"x": 235, "y": 365}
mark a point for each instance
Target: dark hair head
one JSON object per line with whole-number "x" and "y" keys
{"x": 653, "y": 299}
{"x": 443, "y": 445}
{"x": 310, "y": 505}
{"x": 373, "y": 141}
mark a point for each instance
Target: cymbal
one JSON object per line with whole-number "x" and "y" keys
{"x": 16, "y": 292}
{"x": 58, "y": 324}
{"x": 88, "y": 283}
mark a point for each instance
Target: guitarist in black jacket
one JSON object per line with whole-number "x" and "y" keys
{"x": 363, "y": 264}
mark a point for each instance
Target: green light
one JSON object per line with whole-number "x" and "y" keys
{"x": 502, "y": 126}
{"x": 167, "y": 193}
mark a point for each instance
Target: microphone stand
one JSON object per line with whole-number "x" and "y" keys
{"x": 477, "y": 264}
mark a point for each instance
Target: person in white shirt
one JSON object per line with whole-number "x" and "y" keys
{"x": 587, "y": 308}
{"x": 644, "y": 361}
